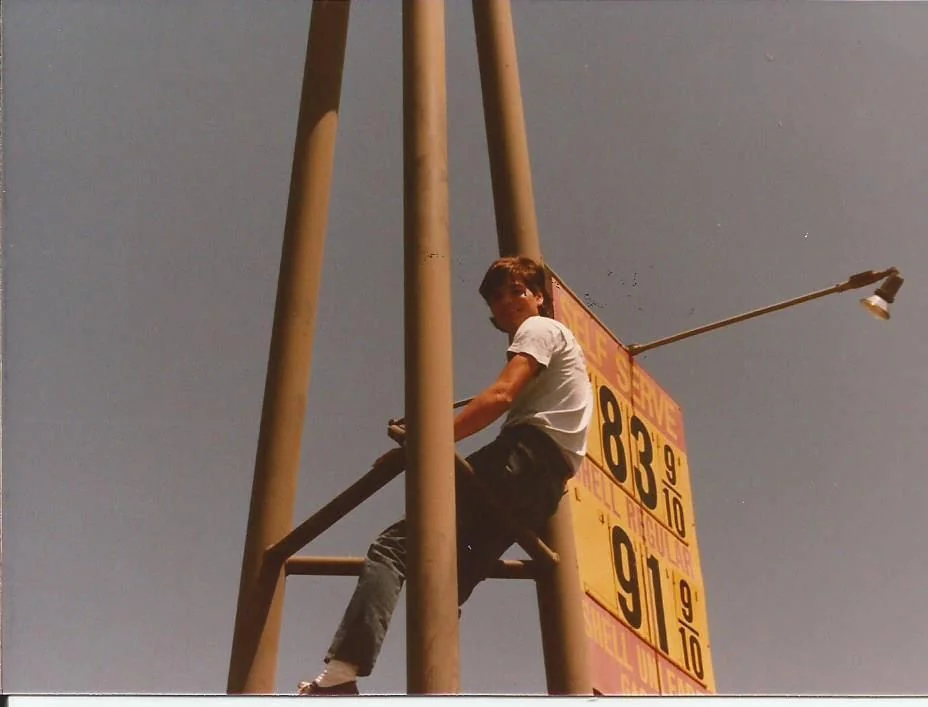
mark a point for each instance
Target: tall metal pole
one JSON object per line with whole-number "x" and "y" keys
{"x": 510, "y": 167}
{"x": 559, "y": 592}
{"x": 2, "y": 337}
{"x": 253, "y": 664}
{"x": 431, "y": 597}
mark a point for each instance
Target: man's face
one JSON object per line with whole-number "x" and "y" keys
{"x": 512, "y": 304}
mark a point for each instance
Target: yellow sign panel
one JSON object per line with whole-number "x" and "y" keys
{"x": 591, "y": 524}
{"x": 610, "y": 551}
{"x": 676, "y": 606}
{"x": 632, "y": 506}
{"x": 661, "y": 464}
{"x": 640, "y": 572}
{"x": 610, "y": 444}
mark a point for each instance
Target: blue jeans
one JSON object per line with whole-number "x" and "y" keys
{"x": 524, "y": 468}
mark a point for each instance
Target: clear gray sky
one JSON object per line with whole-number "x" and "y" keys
{"x": 691, "y": 161}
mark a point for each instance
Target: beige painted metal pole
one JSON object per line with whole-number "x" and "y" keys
{"x": 510, "y": 166}
{"x": 432, "y": 642}
{"x": 253, "y": 663}
{"x": 559, "y": 593}
{"x": 560, "y": 609}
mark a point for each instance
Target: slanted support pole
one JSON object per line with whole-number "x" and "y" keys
{"x": 384, "y": 470}
{"x": 559, "y": 593}
{"x": 351, "y": 567}
{"x": 256, "y": 637}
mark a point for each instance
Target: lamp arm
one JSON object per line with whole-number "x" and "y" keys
{"x": 856, "y": 281}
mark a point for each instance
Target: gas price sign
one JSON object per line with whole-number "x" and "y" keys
{"x": 632, "y": 506}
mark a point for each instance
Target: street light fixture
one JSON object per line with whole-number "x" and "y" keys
{"x": 877, "y": 304}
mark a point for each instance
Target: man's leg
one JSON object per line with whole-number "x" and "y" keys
{"x": 362, "y": 629}
{"x": 481, "y": 538}
{"x": 518, "y": 474}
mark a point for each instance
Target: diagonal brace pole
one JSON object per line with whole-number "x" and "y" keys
{"x": 258, "y": 616}
{"x": 384, "y": 470}
{"x": 352, "y": 566}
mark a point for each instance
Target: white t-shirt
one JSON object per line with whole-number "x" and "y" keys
{"x": 559, "y": 399}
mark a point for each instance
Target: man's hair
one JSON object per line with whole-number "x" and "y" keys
{"x": 518, "y": 268}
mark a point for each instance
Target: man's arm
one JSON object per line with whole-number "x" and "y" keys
{"x": 484, "y": 409}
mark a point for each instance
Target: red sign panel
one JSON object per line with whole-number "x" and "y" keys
{"x": 620, "y": 662}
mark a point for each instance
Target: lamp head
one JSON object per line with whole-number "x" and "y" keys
{"x": 878, "y": 303}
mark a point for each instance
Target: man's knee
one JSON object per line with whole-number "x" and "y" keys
{"x": 390, "y": 544}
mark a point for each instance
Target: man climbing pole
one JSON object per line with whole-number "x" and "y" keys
{"x": 544, "y": 388}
